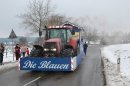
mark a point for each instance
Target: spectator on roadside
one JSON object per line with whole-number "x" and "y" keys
{"x": 85, "y": 47}
{"x": 81, "y": 39}
{"x": 17, "y": 52}
{"x": 23, "y": 50}
{"x": 27, "y": 51}
{"x": 1, "y": 53}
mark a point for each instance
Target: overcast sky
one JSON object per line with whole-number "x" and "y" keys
{"x": 106, "y": 15}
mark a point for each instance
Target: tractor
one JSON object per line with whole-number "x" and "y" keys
{"x": 58, "y": 43}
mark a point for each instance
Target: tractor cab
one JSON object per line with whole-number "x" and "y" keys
{"x": 62, "y": 32}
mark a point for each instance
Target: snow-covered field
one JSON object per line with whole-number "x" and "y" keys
{"x": 114, "y": 75}
{"x": 9, "y": 61}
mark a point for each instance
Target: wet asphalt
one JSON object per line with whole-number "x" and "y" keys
{"x": 88, "y": 73}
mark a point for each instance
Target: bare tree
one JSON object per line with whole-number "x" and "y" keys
{"x": 117, "y": 37}
{"x": 90, "y": 33}
{"x": 94, "y": 35}
{"x": 105, "y": 39}
{"x": 23, "y": 40}
{"x": 56, "y": 19}
{"x": 7, "y": 47}
{"x": 36, "y": 41}
{"x": 36, "y": 13}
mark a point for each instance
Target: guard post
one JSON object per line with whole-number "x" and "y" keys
{"x": 118, "y": 62}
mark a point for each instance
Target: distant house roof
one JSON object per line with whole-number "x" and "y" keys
{"x": 76, "y": 27}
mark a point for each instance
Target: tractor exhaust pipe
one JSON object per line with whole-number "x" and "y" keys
{"x": 46, "y": 35}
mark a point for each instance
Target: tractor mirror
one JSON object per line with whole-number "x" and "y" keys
{"x": 73, "y": 32}
{"x": 46, "y": 27}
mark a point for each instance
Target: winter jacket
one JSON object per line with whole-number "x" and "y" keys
{"x": 0, "y": 49}
{"x": 17, "y": 49}
{"x": 3, "y": 48}
{"x": 85, "y": 45}
{"x": 27, "y": 51}
{"x": 23, "y": 49}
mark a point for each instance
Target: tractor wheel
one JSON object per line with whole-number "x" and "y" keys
{"x": 68, "y": 53}
{"x": 35, "y": 53}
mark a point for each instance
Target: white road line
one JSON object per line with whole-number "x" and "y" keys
{"x": 32, "y": 81}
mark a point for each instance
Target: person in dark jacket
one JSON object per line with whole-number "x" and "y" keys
{"x": 1, "y": 53}
{"x": 17, "y": 52}
{"x": 85, "y": 47}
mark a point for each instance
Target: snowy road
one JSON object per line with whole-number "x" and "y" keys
{"x": 87, "y": 74}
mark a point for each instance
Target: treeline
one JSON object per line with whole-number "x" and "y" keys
{"x": 117, "y": 37}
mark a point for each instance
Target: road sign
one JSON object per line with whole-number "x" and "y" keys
{"x": 12, "y": 35}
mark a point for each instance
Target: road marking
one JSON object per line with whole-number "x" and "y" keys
{"x": 32, "y": 81}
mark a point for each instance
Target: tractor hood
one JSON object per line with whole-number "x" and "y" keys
{"x": 54, "y": 40}
{"x": 50, "y": 42}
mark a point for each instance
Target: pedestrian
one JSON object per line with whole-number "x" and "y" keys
{"x": 23, "y": 50}
{"x": 81, "y": 39}
{"x": 1, "y": 53}
{"x": 27, "y": 51}
{"x": 17, "y": 52}
{"x": 85, "y": 47}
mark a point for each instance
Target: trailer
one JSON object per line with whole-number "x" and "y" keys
{"x": 58, "y": 53}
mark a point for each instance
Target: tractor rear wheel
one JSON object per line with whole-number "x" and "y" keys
{"x": 68, "y": 53}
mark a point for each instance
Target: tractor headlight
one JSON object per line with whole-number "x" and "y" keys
{"x": 54, "y": 49}
{"x": 46, "y": 49}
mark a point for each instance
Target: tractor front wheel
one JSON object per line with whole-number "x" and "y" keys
{"x": 35, "y": 53}
{"x": 68, "y": 53}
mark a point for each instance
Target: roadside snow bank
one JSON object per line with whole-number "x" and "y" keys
{"x": 8, "y": 65}
{"x": 109, "y": 55}
{"x": 113, "y": 77}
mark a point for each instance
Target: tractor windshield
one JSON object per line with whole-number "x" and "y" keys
{"x": 58, "y": 33}
{"x": 63, "y": 34}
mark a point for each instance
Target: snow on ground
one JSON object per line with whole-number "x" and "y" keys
{"x": 110, "y": 54}
{"x": 8, "y": 62}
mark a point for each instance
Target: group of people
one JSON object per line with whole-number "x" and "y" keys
{"x": 21, "y": 50}
{"x": 18, "y": 51}
{"x": 1, "y": 53}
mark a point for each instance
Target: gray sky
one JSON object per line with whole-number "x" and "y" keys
{"x": 106, "y": 15}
